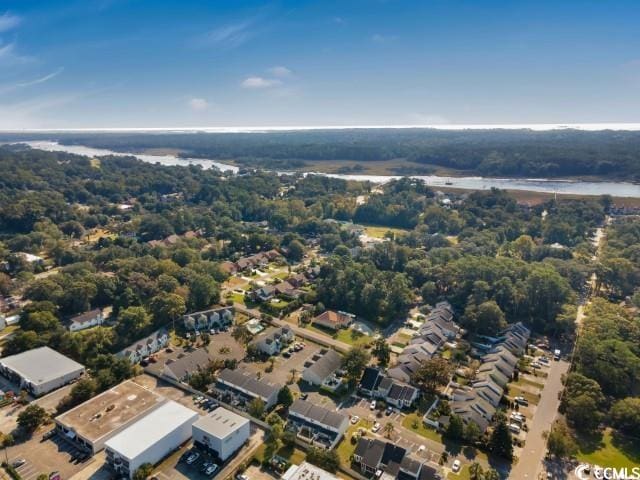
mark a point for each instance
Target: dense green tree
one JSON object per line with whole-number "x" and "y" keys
{"x": 625, "y": 415}
{"x": 354, "y": 363}
{"x": 500, "y": 441}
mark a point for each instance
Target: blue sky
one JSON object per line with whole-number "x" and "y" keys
{"x": 140, "y": 63}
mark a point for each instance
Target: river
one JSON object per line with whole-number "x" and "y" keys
{"x": 578, "y": 187}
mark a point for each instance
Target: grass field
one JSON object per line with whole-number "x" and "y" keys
{"x": 515, "y": 391}
{"x": 609, "y": 451}
{"x": 347, "y": 336}
{"x": 345, "y": 447}
{"x": 379, "y": 232}
{"x": 413, "y": 419}
{"x": 291, "y": 454}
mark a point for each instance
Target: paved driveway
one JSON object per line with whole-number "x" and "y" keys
{"x": 530, "y": 463}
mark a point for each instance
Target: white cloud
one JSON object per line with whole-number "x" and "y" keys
{"x": 8, "y": 21}
{"x": 380, "y": 38}
{"x": 46, "y": 78}
{"x": 260, "y": 82}
{"x": 280, "y": 71}
{"x": 198, "y": 104}
{"x": 339, "y": 20}
{"x": 9, "y": 56}
{"x": 228, "y": 36}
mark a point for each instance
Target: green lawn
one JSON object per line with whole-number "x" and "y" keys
{"x": 347, "y": 336}
{"x": 291, "y": 454}
{"x": 609, "y": 451}
{"x": 345, "y": 448}
{"x": 529, "y": 382}
{"x": 463, "y": 474}
{"x": 412, "y": 419}
{"x": 237, "y": 298}
{"x": 515, "y": 391}
{"x": 379, "y": 232}
{"x": 352, "y": 337}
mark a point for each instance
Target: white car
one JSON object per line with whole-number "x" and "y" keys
{"x": 192, "y": 458}
{"x": 455, "y": 466}
{"x": 376, "y": 427}
{"x": 373, "y": 405}
{"x": 211, "y": 469}
{"x": 355, "y": 419}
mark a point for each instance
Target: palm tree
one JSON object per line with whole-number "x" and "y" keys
{"x": 6, "y": 440}
{"x": 475, "y": 471}
{"x": 294, "y": 374}
{"x": 389, "y": 429}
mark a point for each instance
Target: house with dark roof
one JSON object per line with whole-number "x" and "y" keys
{"x": 332, "y": 320}
{"x": 263, "y": 294}
{"x": 186, "y": 364}
{"x": 322, "y": 371}
{"x": 376, "y": 385}
{"x": 372, "y": 455}
{"x": 316, "y": 425}
{"x": 371, "y": 378}
{"x": 401, "y": 396}
{"x": 297, "y": 281}
{"x": 285, "y": 289}
{"x": 243, "y": 387}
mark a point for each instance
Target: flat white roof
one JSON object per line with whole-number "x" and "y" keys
{"x": 150, "y": 429}
{"x": 221, "y": 422}
{"x": 41, "y": 365}
{"x": 306, "y": 471}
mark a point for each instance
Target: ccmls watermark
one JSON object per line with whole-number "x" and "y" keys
{"x": 587, "y": 472}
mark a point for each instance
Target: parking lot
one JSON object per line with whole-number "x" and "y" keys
{"x": 282, "y": 367}
{"x": 53, "y": 455}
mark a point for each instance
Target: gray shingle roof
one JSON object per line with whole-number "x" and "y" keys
{"x": 318, "y": 414}
{"x": 327, "y": 364}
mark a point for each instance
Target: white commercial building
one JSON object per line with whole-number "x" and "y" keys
{"x": 40, "y": 370}
{"x": 307, "y": 471}
{"x": 151, "y": 438}
{"x": 222, "y": 432}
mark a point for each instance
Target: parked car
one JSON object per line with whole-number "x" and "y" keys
{"x": 211, "y": 469}
{"x": 455, "y": 466}
{"x": 50, "y": 434}
{"x": 388, "y": 411}
{"x": 191, "y": 459}
{"x": 241, "y": 477}
{"x": 355, "y": 419}
{"x": 304, "y": 396}
{"x": 514, "y": 428}
{"x": 372, "y": 406}
{"x": 18, "y": 462}
{"x": 556, "y": 354}
{"x": 376, "y": 427}
{"x": 521, "y": 401}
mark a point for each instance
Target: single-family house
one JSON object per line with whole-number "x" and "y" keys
{"x": 84, "y": 320}
{"x": 332, "y": 320}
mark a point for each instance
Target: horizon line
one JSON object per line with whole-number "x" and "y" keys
{"x": 266, "y": 129}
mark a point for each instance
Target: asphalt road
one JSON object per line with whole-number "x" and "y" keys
{"x": 529, "y": 464}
